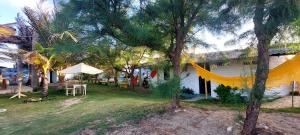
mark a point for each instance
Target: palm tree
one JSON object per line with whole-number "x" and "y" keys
{"x": 43, "y": 63}
{"x": 47, "y": 36}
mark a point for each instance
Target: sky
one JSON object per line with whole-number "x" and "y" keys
{"x": 218, "y": 40}
{"x": 10, "y": 8}
{"x": 8, "y": 12}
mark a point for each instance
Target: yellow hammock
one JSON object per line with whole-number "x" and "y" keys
{"x": 283, "y": 74}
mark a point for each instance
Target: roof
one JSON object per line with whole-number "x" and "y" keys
{"x": 239, "y": 54}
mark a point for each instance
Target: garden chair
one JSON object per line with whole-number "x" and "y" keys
{"x": 69, "y": 87}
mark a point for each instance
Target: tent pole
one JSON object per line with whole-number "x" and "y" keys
{"x": 80, "y": 82}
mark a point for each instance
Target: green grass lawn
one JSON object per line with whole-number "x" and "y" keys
{"x": 102, "y": 108}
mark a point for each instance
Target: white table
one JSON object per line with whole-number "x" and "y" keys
{"x": 77, "y": 86}
{"x": 80, "y": 86}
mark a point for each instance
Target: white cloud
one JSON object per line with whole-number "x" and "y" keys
{"x": 22, "y": 3}
{"x": 220, "y": 40}
{"x": 19, "y": 4}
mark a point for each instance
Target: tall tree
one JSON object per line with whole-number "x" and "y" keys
{"x": 105, "y": 54}
{"x": 179, "y": 20}
{"x": 270, "y": 17}
{"x": 117, "y": 57}
{"x": 40, "y": 21}
{"x": 166, "y": 25}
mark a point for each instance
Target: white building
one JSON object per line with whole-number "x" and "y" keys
{"x": 228, "y": 63}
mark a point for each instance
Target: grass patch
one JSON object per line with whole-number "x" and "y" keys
{"x": 285, "y": 110}
{"x": 216, "y": 104}
{"x": 103, "y": 107}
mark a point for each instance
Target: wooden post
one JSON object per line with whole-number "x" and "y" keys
{"x": 205, "y": 84}
{"x": 205, "y": 89}
{"x": 293, "y": 90}
{"x": 19, "y": 80}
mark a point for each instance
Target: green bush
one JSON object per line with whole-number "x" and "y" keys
{"x": 169, "y": 88}
{"x": 187, "y": 93}
{"x": 226, "y": 94}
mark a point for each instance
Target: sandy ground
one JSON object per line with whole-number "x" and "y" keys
{"x": 284, "y": 102}
{"x": 194, "y": 121}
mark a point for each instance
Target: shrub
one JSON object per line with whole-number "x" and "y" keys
{"x": 169, "y": 88}
{"x": 226, "y": 94}
{"x": 187, "y": 93}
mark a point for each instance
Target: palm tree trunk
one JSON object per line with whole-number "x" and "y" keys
{"x": 19, "y": 74}
{"x": 45, "y": 86}
{"x": 34, "y": 77}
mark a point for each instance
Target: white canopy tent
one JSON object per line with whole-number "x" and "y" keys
{"x": 81, "y": 68}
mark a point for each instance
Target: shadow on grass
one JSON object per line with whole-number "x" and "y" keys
{"x": 216, "y": 104}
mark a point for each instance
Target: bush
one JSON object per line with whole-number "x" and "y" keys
{"x": 226, "y": 94}
{"x": 186, "y": 93}
{"x": 169, "y": 88}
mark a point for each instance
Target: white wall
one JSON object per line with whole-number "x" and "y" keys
{"x": 274, "y": 62}
{"x": 190, "y": 81}
{"x": 54, "y": 75}
{"x": 229, "y": 70}
{"x": 159, "y": 78}
{"x": 237, "y": 69}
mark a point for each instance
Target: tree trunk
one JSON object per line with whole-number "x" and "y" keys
{"x": 61, "y": 78}
{"x": 34, "y": 77}
{"x": 34, "y": 69}
{"x": 45, "y": 82}
{"x": 258, "y": 89}
{"x": 132, "y": 78}
{"x": 19, "y": 73}
{"x": 115, "y": 72}
{"x": 176, "y": 59}
{"x": 264, "y": 37}
{"x": 61, "y": 81}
